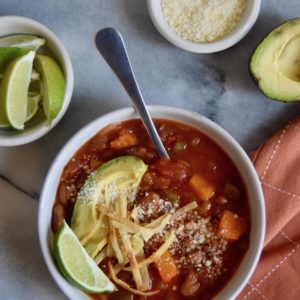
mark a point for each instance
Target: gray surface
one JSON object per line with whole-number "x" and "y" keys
{"x": 217, "y": 85}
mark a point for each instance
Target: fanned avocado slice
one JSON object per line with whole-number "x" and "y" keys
{"x": 275, "y": 64}
{"x": 104, "y": 185}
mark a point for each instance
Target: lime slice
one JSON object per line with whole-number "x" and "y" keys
{"x": 8, "y": 54}
{"x": 25, "y": 41}
{"x": 33, "y": 105}
{"x": 52, "y": 85}
{"x": 34, "y": 75}
{"x": 76, "y": 265}
{"x": 13, "y": 91}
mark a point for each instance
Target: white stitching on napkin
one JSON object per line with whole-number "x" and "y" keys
{"x": 281, "y": 190}
{"x": 288, "y": 238}
{"x": 274, "y": 152}
{"x": 270, "y": 272}
{"x": 293, "y": 126}
{"x": 258, "y": 291}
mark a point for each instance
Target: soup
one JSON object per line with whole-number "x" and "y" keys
{"x": 184, "y": 227}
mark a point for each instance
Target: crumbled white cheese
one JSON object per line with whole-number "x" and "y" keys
{"x": 203, "y": 21}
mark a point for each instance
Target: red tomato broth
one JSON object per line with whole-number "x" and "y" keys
{"x": 196, "y": 153}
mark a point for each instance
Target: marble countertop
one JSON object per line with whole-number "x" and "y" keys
{"x": 215, "y": 85}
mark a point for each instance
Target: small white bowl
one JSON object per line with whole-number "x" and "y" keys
{"x": 211, "y": 129}
{"x": 10, "y": 25}
{"x": 242, "y": 28}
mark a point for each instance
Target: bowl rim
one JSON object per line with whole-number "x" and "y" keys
{"x": 243, "y": 27}
{"x": 251, "y": 258}
{"x": 35, "y": 132}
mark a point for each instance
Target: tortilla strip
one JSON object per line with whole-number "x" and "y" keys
{"x": 159, "y": 224}
{"x": 101, "y": 245}
{"x": 159, "y": 252}
{"x": 136, "y": 242}
{"x": 100, "y": 256}
{"x": 125, "y": 286}
{"x": 118, "y": 267}
{"x": 183, "y": 210}
{"x": 124, "y": 227}
{"x": 132, "y": 260}
{"x": 134, "y": 215}
{"x": 137, "y": 245}
{"x": 115, "y": 244}
{"x": 163, "y": 219}
{"x": 135, "y": 228}
{"x": 111, "y": 214}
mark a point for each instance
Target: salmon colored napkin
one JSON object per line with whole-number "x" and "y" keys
{"x": 277, "y": 163}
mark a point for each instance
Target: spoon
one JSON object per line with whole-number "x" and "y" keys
{"x": 110, "y": 44}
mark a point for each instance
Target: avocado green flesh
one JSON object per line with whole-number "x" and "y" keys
{"x": 120, "y": 175}
{"x": 275, "y": 64}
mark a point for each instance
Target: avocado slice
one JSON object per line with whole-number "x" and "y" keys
{"x": 104, "y": 185}
{"x": 275, "y": 64}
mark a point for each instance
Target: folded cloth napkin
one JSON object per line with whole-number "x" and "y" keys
{"x": 277, "y": 163}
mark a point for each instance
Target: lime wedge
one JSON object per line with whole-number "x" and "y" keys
{"x": 34, "y": 75}
{"x": 25, "y": 41}
{"x": 33, "y": 105}
{"x": 76, "y": 265}
{"x": 13, "y": 91}
{"x": 52, "y": 85}
{"x": 7, "y": 54}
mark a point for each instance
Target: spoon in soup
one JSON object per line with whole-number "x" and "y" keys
{"x": 110, "y": 44}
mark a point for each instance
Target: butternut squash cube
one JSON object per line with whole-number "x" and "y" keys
{"x": 124, "y": 141}
{"x": 231, "y": 226}
{"x": 166, "y": 267}
{"x": 203, "y": 189}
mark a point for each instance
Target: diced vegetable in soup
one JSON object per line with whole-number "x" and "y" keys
{"x": 159, "y": 229}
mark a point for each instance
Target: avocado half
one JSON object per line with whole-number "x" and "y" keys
{"x": 275, "y": 63}
{"x": 104, "y": 185}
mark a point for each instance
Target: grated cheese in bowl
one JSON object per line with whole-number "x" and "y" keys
{"x": 203, "y": 21}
